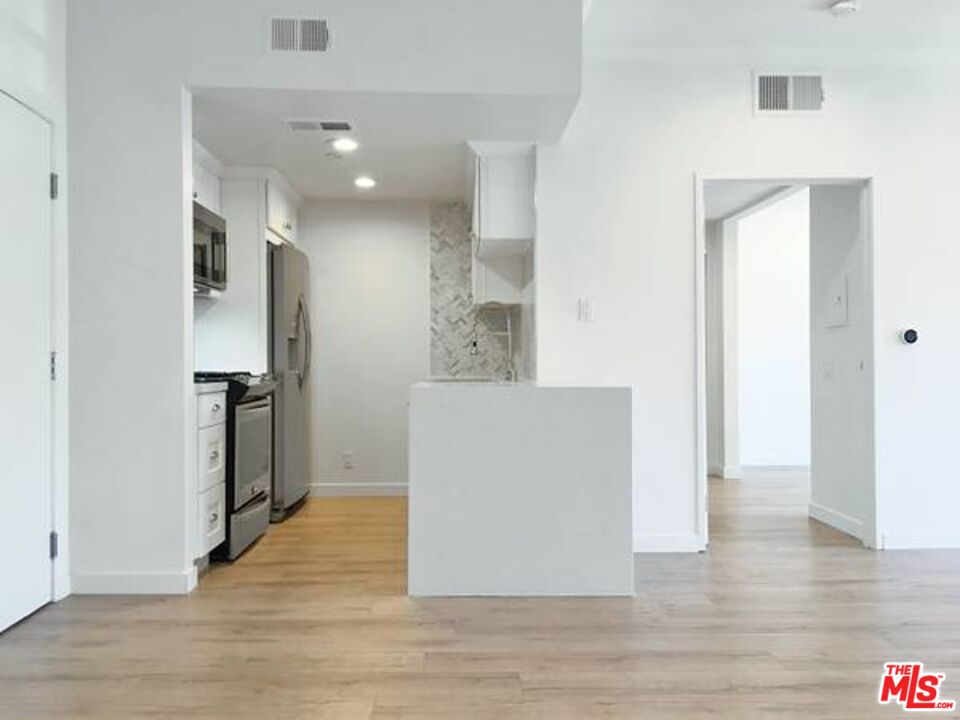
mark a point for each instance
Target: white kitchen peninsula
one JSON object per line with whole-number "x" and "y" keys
{"x": 518, "y": 489}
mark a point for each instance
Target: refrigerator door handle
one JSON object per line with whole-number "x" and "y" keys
{"x": 304, "y": 336}
{"x": 308, "y": 350}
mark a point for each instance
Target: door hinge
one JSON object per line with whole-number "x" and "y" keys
{"x": 54, "y": 186}
{"x": 54, "y": 545}
{"x": 53, "y": 365}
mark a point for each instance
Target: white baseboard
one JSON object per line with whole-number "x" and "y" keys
{"x": 358, "y": 489}
{"x": 731, "y": 472}
{"x": 773, "y": 472}
{"x": 837, "y": 520}
{"x": 921, "y": 540}
{"x": 172, "y": 583}
{"x": 667, "y": 543}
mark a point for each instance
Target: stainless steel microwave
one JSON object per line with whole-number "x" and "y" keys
{"x": 209, "y": 250}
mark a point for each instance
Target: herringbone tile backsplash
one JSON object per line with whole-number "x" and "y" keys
{"x": 454, "y": 321}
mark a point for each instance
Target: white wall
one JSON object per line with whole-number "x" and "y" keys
{"x": 714, "y": 350}
{"x": 231, "y": 330}
{"x": 773, "y": 334}
{"x": 841, "y": 330}
{"x": 616, "y": 222}
{"x": 33, "y": 70}
{"x": 131, "y": 285}
{"x": 370, "y": 306}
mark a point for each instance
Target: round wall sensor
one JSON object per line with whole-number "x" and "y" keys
{"x": 910, "y": 336}
{"x": 845, "y": 7}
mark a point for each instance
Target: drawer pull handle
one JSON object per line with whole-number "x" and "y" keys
{"x": 215, "y": 407}
{"x": 214, "y": 517}
{"x": 214, "y": 454}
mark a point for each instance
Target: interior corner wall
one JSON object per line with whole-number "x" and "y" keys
{"x": 714, "y": 350}
{"x": 841, "y": 335}
{"x": 33, "y": 69}
{"x": 615, "y": 219}
{"x": 370, "y": 308}
{"x": 773, "y": 335}
{"x": 729, "y": 317}
{"x": 131, "y": 321}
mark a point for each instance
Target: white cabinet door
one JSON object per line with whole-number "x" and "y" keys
{"x": 281, "y": 213}
{"x": 211, "y": 409}
{"x": 211, "y": 508}
{"x": 25, "y": 326}
{"x": 506, "y": 198}
{"x": 206, "y": 188}
{"x": 211, "y": 457}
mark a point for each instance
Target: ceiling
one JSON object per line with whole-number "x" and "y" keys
{"x": 723, "y": 198}
{"x": 414, "y": 145}
{"x": 881, "y": 25}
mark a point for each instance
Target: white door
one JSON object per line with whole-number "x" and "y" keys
{"x": 25, "y": 342}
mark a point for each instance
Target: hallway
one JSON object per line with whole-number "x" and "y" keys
{"x": 782, "y": 617}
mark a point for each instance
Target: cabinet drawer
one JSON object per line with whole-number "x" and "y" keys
{"x": 211, "y": 409}
{"x": 211, "y": 507}
{"x": 211, "y": 456}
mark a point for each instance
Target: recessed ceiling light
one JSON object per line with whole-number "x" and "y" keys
{"x": 845, "y": 7}
{"x": 365, "y": 183}
{"x": 344, "y": 144}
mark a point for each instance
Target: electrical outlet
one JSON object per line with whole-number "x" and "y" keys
{"x": 349, "y": 459}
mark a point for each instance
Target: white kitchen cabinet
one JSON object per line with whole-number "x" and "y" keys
{"x": 211, "y": 507}
{"x": 211, "y": 457}
{"x": 281, "y": 211}
{"x": 210, "y": 523}
{"x": 504, "y": 217}
{"x": 206, "y": 188}
{"x": 499, "y": 278}
{"x": 503, "y": 221}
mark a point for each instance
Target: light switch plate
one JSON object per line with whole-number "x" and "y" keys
{"x": 586, "y": 310}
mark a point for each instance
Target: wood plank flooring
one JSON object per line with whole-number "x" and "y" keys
{"x": 781, "y": 618}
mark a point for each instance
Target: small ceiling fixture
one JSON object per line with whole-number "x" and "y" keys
{"x": 365, "y": 183}
{"x": 344, "y": 144}
{"x": 845, "y": 7}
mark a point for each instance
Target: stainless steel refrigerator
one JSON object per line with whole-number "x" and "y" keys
{"x": 291, "y": 349}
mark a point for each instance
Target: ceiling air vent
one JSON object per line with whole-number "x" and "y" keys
{"x": 299, "y": 35}
{"x": 319, "y": 125}
{"x": 788, "y": 94}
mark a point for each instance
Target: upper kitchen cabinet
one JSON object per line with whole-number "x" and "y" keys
{"x": 504, "y": 217}
{"x": 282, "y": 204}
{"x": 207, "y": 170}
{"x": 504, "y": 221}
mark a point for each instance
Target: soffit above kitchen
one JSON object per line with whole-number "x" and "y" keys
{"x": 413, "y": 144}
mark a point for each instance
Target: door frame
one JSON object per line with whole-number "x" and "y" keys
{"x": 59, "y": 412}
{"x": 872, "y": 525}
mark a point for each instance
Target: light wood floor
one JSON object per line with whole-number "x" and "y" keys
{"x": 781, "y": 618}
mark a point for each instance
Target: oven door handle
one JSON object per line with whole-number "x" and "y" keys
{"x": 258, "y": 404}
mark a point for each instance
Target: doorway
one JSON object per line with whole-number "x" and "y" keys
{"x": 785, "y": 329}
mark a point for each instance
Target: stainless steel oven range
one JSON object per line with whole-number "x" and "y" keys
{"x": 249, "y": 466}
